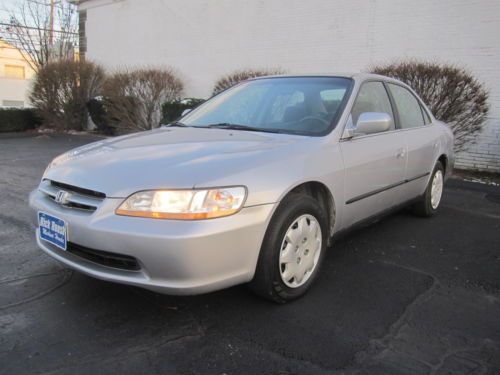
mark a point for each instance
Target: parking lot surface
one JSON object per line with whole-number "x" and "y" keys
{"x": 404, "y": 296}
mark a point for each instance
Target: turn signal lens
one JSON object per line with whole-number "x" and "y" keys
{"x": 184, "y": 204}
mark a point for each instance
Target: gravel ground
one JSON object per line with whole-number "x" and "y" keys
{"x": 404, "y": 296}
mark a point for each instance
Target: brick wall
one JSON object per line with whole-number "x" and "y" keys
{"x": 204, "y": 39}
{"x": 484, "y": 154}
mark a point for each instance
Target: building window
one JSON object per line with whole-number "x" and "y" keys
{"x": 13, "y": 103}
{"x": 82, "y": 20}
{"x": 14, "y": 71}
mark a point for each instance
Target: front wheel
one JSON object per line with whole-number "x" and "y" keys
{"x": 428, "y": 204}
{"x": 292, "y": 251}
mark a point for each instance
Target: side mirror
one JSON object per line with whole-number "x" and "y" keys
{"x": 186, "y": 111}
{"x": 373, "y": 122}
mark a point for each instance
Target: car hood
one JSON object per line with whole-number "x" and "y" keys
{"x": 166, "y": 158}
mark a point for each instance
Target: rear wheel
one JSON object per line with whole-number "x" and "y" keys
{"x": 292, "y": 250}
{"x": 429, "y": 203}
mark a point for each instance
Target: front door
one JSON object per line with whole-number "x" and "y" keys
{"x": 374, "y": 164}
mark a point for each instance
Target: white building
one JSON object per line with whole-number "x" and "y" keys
{"x": 15, "y": 77}
{"x": 204, "y": 39}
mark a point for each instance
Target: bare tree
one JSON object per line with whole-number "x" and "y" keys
{"x": 61, "y": 91}
{"x": 43, "y": 30}
{"x": 233, "y": 78}
{"x": 453, "y": 95}
{"x": 133, "y": 98}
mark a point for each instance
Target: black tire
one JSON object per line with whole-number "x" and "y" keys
{"x": 424, "y": 207}
{"x": 267, "y": 281}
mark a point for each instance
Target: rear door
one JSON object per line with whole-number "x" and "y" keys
{"x": 421, "y": 137}
{"x": 375, "y": 163}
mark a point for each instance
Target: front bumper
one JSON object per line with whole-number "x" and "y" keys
{"x": 175, "y": 257}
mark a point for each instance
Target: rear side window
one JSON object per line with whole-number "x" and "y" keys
{"x": 409, "y": 110}
{"x": 372, "y": 97}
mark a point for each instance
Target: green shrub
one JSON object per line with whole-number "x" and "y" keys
{"x": 172, "y": 110}
{"x": 97, "y": 112}
{"x": 18, "y": 119}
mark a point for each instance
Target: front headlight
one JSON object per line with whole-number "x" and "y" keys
{"x": 184, "y": 204}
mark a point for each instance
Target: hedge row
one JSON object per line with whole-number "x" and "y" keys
{"x": 18, "y": 119}
{"x": 21, "y": 119}
{"x": 171, "y": 111}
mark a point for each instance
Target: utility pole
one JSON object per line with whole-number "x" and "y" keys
{"x": 51, "y": 22}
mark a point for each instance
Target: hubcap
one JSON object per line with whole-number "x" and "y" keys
{"x": 300, "y": 251}
{"x": 436, "y": 189}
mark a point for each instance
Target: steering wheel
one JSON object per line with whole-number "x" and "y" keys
{"x": 314, "y": 118}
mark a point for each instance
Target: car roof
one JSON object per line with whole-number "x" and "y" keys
{"x": 358, "y": 76}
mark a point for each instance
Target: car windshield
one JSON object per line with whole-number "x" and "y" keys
{"x": 294, "y": 105}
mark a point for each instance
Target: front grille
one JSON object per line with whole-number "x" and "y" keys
{"x": 76, "y": 197}
{"x": 104, "y": 258}
{"x": 79, "y": 190}
{"x": 80, "y": 206}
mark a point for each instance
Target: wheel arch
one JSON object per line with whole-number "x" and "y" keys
{"x": 319, "y": 191}
{"x": 443, "y": 158}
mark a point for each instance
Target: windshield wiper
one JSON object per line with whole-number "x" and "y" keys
{"x": 227, "y": 125}
{"x": 177, "y": 124}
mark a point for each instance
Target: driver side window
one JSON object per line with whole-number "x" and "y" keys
{"x": 372, "y": 97}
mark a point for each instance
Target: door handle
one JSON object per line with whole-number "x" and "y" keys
{"x": 401, "y": 153}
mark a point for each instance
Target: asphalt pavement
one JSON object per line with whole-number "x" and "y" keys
{"x": 405, "y": 295}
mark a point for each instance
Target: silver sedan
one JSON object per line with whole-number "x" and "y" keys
{"x": 251, "y": 186}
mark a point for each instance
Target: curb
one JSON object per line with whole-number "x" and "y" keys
{"x": 469, "y": 185}
{"x": 9, "y": 135}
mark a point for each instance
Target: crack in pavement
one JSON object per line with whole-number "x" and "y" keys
{"x": 377, "y": 346}
{"x": 124, "y": 353}
{"x": 477, "y": 355}
{"x": 66, "y": 273}
{"x": 449, "y": 354}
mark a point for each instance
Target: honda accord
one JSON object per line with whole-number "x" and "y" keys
{"x": 249, "y": 187}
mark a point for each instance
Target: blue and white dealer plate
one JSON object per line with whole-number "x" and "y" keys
{"x": 52, "y": 229}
